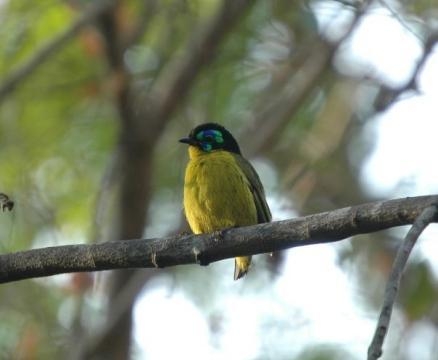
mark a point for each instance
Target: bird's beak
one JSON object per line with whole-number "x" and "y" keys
{"x": 188, "y": 140}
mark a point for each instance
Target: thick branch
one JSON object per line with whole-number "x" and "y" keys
{"x": 204, "y": 249}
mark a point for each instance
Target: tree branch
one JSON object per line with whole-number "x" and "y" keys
{"x": 203, "y": 249}
{"x": 405, "y": 249}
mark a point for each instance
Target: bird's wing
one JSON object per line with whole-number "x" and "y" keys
{"x": 256, "y": 187}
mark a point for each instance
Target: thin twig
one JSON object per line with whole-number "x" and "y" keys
{"x": 393, "y": 284}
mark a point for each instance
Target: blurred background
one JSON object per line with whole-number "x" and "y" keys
{"x": 334, "y": 102}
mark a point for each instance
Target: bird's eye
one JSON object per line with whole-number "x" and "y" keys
{"x": 209, "y": 137}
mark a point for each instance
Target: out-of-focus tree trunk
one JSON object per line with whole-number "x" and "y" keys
{"x": 141, "y": 128}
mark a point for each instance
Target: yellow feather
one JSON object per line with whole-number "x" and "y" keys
{"x": 218, "y": 195}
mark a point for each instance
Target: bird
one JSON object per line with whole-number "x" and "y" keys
{"x": 221, "y": 188}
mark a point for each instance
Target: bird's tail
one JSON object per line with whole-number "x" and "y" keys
{"x": 241, "y": 266}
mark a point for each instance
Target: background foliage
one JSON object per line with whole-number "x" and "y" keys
{"x": 85, "y": 108}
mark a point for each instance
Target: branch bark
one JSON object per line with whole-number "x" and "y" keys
{"x": 393, "y": 284}
{"x": 203, "y": 249}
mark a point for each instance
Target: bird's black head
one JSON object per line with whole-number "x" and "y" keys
{"x": 211, "y": 136}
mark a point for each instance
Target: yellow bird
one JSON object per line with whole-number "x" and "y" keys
{"x": 221, "y": 188}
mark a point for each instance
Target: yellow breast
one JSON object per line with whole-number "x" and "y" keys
{"x": 216, "y": 192}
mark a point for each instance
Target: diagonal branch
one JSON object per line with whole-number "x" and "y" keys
{"x": 405, "y": 249}
{"x": 203, "y": 249}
